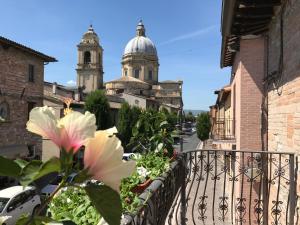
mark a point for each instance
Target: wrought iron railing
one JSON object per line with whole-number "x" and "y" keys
{"x": 157, "y": 199}
{"x": 222, "y": 187}
{"x": 223, "y": 129}
{"x": 238, "y": 187}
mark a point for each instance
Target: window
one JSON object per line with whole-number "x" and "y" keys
{"x": 16, "y": 202}
{"x": 31, "y": 73}
{"x": 30, "y": 106}
{"x": 28, "y": 195}
{"x": 137, "y": 73}
{"x": 4, "y": 110}
{"x": 87, "y": 57}
{"x": 150, "y": 77}
{"x": 126, "y": 73}
{"x": 31, "y": 151}
{"x": 3, "y": 202}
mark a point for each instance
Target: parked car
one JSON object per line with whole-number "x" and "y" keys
{"x": 16, "y": 201}
{"x": 187, "y": 128}
{"x": 128, "y": 156}
{"x": 50, "y": 188}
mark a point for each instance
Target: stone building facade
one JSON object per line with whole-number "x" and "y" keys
{"x": 140, "y": 67}
{"x": 90, "y": 62}
{"x": 222, "y": 120}
{"x": 140, "y": 57}
{"x": 283, "y": 67}
{"x": 264, "y": 56}
{"x": 21, "y": 89}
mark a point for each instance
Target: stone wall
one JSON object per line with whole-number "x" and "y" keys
{"x": 284, "y": 84}
{"x": 17, "y": 92}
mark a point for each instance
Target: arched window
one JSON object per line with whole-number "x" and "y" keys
{"x": 126, "y": 72}
{"x": 4, "y": 111}
{"x": 87, "y": 57}
{"x": 150, "y": 75}
{"x": 137, "y": 73}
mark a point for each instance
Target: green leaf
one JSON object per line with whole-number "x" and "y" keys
{"x": 29, "y": 172}
{"x": 22, "y": 163}
{"x": 82, "y": 176}
{"x": 163, "y": 123}
{"x": 24, "y": 220}
{"x": 36, "y": 169}
{"x": 66, "y": 159}
{"x": 50, "y": 166}
{"x": 39, "y": 220}
{"x": 107, "y": 202}
{"x": 9, "y": 168}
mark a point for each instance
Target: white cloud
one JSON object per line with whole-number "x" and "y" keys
{"x": 190, "y": 35}
{"x": 71, "y": 83}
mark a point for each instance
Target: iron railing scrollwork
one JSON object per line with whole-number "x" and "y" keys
{"x": 157, "y": 199}
{"x": 239, "y": 187}
{"x": 222, "y": 187}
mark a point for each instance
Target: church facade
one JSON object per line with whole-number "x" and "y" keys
{"x": 139, "y": 75}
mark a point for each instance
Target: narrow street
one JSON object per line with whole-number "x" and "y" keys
{"x": 190, "y": 142}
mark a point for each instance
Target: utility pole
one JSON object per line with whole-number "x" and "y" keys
{"x": 181, "y": 119}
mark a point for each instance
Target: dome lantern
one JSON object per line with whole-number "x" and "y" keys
{"x": 140, "y": 44}
{"x": 140, "y": 29}
{"x": 90, "y": 37}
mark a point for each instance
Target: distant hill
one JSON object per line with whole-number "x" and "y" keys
{"x": 194, "y": 111}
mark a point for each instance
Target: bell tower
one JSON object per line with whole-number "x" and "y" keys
{"x": 90, "y": 62}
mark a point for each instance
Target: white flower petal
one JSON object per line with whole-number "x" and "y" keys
{"x": 103, "y": 157}
{"x": 76, "y": 128}
{"x": 42, "y": 121}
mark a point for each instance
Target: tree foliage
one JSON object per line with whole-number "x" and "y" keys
{"x": 203, "y": 126}
{"x": 190, "y": 117}
{"x": 97, "y": 103}
{"x": 152, "y": 133}
{"x": 171, "y": 118}
{"x": 128, "y": 116}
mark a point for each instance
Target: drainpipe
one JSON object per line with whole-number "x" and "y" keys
{"x": 54, "y": 86}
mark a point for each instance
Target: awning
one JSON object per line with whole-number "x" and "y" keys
{"x": 14, "y": 151}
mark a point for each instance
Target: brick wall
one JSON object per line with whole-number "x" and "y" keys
{"x": 17, "y": 92}
{"x": 284, "y": 89}
{"x": 249, "y": 71}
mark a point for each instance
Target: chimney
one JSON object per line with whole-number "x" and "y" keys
{"x": 77, "y": 96}
{"x": 54, "y": 86}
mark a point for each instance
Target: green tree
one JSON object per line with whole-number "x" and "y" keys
{"x": 203, "y": 126}
{"x": 171, "y": 118}
{"x": 124, "y": 124}
{"x": 134, "y": 115}
{"x": 150, "y": 133}
{"x": 128, "y": 116}
{"x": 190, "y": 117}
{"x": 97, "y": 103}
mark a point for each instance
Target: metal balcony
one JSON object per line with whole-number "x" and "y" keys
{"x": 217, "y": 187}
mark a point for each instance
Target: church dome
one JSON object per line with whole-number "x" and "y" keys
{"x": 90, "y": 37}
{"x": 140, "y": 43}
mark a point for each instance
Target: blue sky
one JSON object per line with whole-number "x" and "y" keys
{"x": 186, "y": 35}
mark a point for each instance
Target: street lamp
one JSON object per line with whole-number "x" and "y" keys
{"x": 180, "y": 118}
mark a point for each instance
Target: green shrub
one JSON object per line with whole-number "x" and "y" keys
{"x": 151, "y": 133}
{"x": 75, "y": 205}
{"x": 128, "y": 116}
{"x": 97, "y": 103}
{"x": 203, "y": 126}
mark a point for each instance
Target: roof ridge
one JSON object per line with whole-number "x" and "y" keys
{"x": 27, "y": 49}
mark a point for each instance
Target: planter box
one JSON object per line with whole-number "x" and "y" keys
{"x": 141, "y": 187}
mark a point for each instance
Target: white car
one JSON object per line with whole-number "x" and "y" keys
{"x": 16, "y": 201}
{"x": 50, "y": 188}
